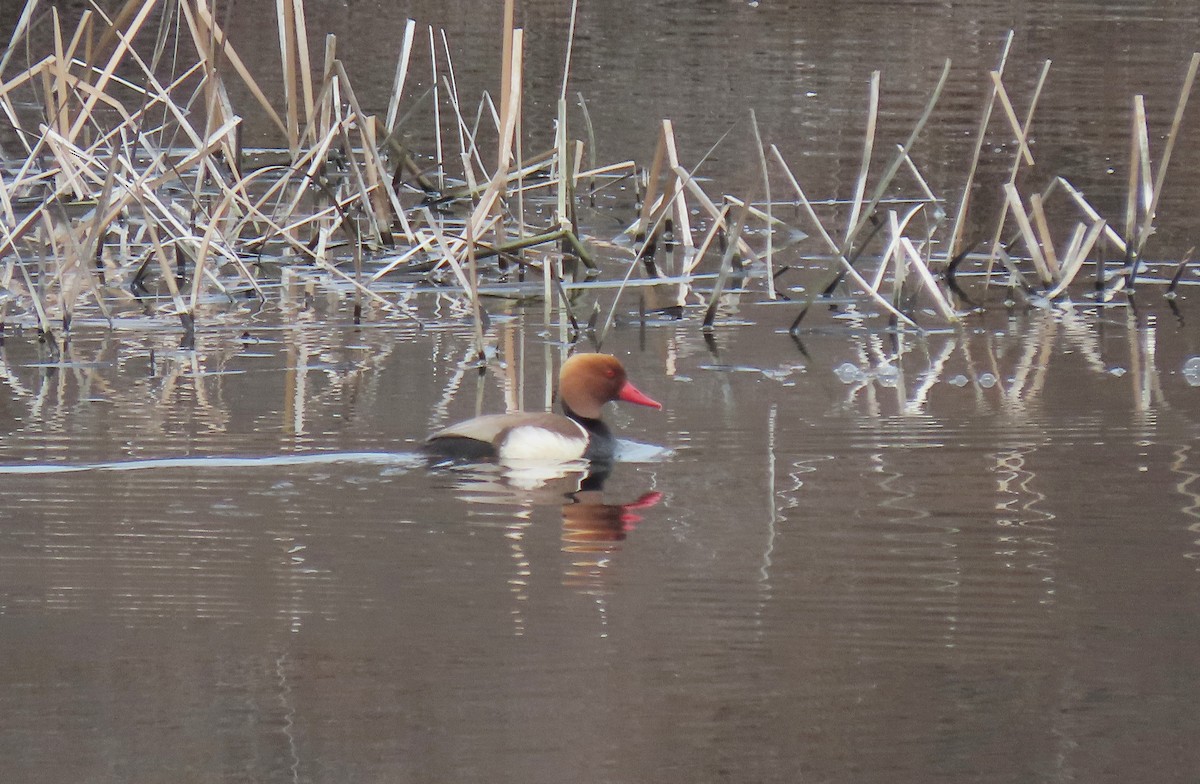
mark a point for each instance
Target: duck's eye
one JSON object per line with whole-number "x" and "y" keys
{"x": 610, "y": 373}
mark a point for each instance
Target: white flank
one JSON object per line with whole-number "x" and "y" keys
{"x": 531, "y": 442}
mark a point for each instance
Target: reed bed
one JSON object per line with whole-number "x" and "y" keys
{"x": 125, "y": 187}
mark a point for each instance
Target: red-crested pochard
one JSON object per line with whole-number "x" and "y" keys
{"x": 585, "y": 383}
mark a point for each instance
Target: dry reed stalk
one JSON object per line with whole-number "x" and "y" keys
{"x": 894, "y": 167}
{"x": 659, "y": 215}
{"x": 576, "y": 166}
{"x": 918, "y": 264}
{"x": 1018, "y": 130}
{"x": 1022, "y": 132}
{"x": 74, "y": 272}
{"x": 324, "y": 108}
{"x": 464, "y": 133}
{"x": 755, "y": 212}
{"x": 710, "y": 312}
{"x": 1136, "y": 163}
{"x": 509, "y": 114}
{"x": 719, "y": 217}
{"x": 83, "y": 32}
{"x": 401, "y": 76}
{"x": 960, "y": 216}
{"x": 563, "y": 177}
{"x": 1110, "y": 234}
{"x": 204, "y": 29}
{"x": 106, "y": 211}
{"x": 154, "y": 94}
{"x": 439, "y": 149}
{"x": 549, "y": 265}
{"x": 364, "y": 200}
{"x": 57, "y": 102}
{"x": 1160, "y": 176}
{"x": 1144, "y": 181}
{"x": 164, "y": 266}
{"x": 362, "y": 289}
{"x": 8, "y": 215}
{"x": 650, "y": 197}
{"x": 18, "y": 32}
{"x": 900, "y": 262}
{"x": 373, "y": 163}
{"x": 403, "y": 258}
{"x": 1044, "y": 239}
{"x": 299, "y": 32}
{"x": 867, "y": 212}
{"x": 591, "y": 148}
{"x": 766, "y": 180}
{"x": 1179, "y": 270}
{"x": 898, "y": 228}
{"x": 833, "y": 246}
{"x": 107, "y": 73}
{"x": 1016, "y": 277}
{"x": 1017, "y": 209}
{"x": 375, "y": 177}
{"x": 683, "y": 226}
{"x": 562, "y": 96}
{"x": 316, "y": 157}
{"x": 70, "y": 175}
{"x": 860, "y": 185}
{"x": 10, "y": 112}
{"x": 286, "y": 23}
{"x": 599, "y": 171}
{"x": 35, "y": 297}
{"x": 112, "y": 24}
{"x": 1077, "y": 252}
{"x": 931, "y": 207}
{"x": 137, "y": 184}
{"x": 451, "y": 247}
{"x": 507, "y": 53}
{"x": 541, "y": 161}
{"x": 719, "y": 227}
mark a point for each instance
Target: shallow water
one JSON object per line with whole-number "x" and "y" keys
{"x": 919, "y": 573}
{"x": 868, "y": 556}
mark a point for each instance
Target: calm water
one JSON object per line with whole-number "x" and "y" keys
{"x": 960, "y": 556}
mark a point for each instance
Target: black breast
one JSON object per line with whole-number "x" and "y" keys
{"x": 602, "y": 444}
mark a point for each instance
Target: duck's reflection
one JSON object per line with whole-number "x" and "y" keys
{"x": 593, "y": 531}
{"x": 594, "y": 528}
{"x": 591, "y": 525}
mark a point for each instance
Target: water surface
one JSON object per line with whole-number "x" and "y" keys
{"x": 870, "y": 556}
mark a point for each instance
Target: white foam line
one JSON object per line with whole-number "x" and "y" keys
{"x": 318, "y": 458}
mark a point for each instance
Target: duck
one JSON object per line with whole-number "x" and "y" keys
{"x": 585, "y": 384}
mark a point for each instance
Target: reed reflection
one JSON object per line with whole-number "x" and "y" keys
{"x": 1010, "y": 368}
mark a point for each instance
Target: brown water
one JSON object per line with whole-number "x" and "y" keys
{"x": 960, "y": 556}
